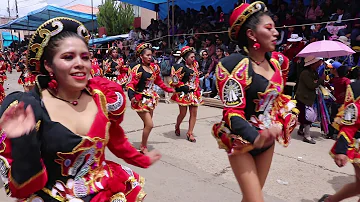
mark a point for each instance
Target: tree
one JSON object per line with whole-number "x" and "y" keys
{"x": 116, "y": 17}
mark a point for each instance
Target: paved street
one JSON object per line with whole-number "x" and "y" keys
{"x": 199, "y": 172}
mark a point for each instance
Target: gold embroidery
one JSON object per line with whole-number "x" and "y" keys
{"x": 141, "y": 195}
{"x": 57, "y": 197}
{"x": 119, "y": 197}
{"x": 37, "y": 126}
{"x": 102, "y": 100}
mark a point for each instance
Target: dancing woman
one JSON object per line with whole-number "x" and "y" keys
{"x": 141, "y": 90}
{"x": 346, "y": 148}
{"x": 53, "y": 155}
{"x": 3, "y": 77}
{"x": 256, "y": 112}
{"x": 113, "y": 65}
{"x": 185, "y": 80}
{"x": 27, "y": 78}
{"x": 95, "y": 67}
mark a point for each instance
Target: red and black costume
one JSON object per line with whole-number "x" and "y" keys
{"x": 95, "y": 68}
{"x": 185, "y": 80}
{"x": 141, "y": 84}
{"x": 26, "y": 77}
{"x": 116, "y": 70}
{"x": 252, "y": 103}
{"x": 3, "y": 77}
{"x": 53, "y": 164}
{"x": 349, "y": 128}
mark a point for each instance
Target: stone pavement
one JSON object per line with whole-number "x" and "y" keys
{"x": 199, "y": 172}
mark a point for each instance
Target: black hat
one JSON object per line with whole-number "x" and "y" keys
{"x": 43, "y": 34}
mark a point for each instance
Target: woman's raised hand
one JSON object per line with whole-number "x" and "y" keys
{"x": 17, "y": 121}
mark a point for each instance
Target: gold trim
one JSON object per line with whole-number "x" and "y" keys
{"x": 48, "y": 192}
{"x": 119, "y": 196}
{"x": 102, "y": 100}
{"x": 19, "y": 186}
{"x": 141, "y": 195}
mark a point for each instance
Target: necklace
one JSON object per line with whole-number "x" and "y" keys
{"x": 257, "y": 62}
{"x": 75, "y": 102}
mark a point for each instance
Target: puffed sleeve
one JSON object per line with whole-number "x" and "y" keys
{"x": 158, "y": 80}
{"x": 118, "y": 142}
{"x": 283, "y": 63}
{"x": 26, "y": 172}
{"x": 177, "y": 75}
{"x": 134, "y": 79}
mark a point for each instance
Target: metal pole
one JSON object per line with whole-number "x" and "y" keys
{"x": 8, "y": 9}
{"x": 168, "y": 22}
{"x": 173, "y": 23}
{"x": 92, "y": 18}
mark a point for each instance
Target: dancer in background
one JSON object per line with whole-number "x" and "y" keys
{"x": 27, "y": 78}
{"x": 3, "y": 77}
{"x": 95, "y": 67}
{"x": 346, "y": 148}
{"x": 141, "y": 90}
{"x": 113, "y": 64}
{"x": 58, "y": 132}
{"x": 185, "y": 80}
{"x": 256, "y": 112}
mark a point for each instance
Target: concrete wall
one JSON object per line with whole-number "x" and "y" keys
{"x": 146, "y": 16}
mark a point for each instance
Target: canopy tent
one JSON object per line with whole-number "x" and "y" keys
{"x": 107, "y": 39}
{"x": 161, "y": 5}
{"x": 8, "y": 38}
{"x": 35, "y": 18}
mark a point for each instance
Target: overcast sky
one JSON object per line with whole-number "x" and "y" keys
{"x": 26, "y": 6}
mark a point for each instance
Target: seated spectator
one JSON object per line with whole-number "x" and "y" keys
{"x": 182, "y": 42}
{"x": 312, "y": 11}
{"x": 210, "y": 46}
{"x": 210, "y": 76}
{"x": 289, "y": 20}
{"x": 339, "y": 17}
{"x": 355, "y": 33}
{"x": 220, "y": 44}
{"x": 328, "y": 8}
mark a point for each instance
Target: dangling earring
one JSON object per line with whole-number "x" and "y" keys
{"x": 53, "y": 83}
{"x": 256, "y": 45}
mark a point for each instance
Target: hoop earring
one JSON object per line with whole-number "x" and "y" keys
{"x": 256, "y": 45}
{"x": 53, "y": 85}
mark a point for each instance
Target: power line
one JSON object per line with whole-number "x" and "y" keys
{"x": 68, "y": 3}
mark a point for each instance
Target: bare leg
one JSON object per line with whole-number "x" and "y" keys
{"x": 244, "y": 168}
{"x": 192, "y": 120}
{"x": 181, "y": 116}
{"x": 348, "y": 190}
{"x": 148, "y": 125}
{"x": 263, "y": 163}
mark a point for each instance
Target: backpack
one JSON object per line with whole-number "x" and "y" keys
{"x": 165, "y": 67}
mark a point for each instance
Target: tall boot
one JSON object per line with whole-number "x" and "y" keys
{"x": 307, "y": 136}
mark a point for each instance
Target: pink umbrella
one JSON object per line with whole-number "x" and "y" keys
{"x": 326, "y": 49}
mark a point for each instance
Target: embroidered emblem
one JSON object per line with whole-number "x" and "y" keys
{"x": 117, "y": 104}
{"x": 232, "y": 93}
{"x": 350, "y": 115}
{"x": 281, "y": 59}
{"x": 119, "y": 197}
{"x": 36, "y": 199}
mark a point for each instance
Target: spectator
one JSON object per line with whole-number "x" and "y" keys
{"x": 339, "y": 17}
{"x": 220, "y": 44}
{"x": 328, "y": 8}
{"x": 210, "y": 76}
{"x": 210, "y": 46}
{"x": 312, "y": 11}
{"x": 289, "y": 20}
{"x": 182, "y": 42}
{"x": 204, "y": 63}
{"x": 355, "y": 33}
{"x": 305, "y": 94}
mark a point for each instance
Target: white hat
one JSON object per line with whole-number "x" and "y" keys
{"x": 309, "y": 60}
{"x": 329, "y": 62}
{"x": 344, "y": 40}
{"x": 177, "y": 53}
{"x": 294, "y": 38}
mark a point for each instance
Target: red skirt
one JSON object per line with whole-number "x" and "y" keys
{"x": 188, "y": 99}
{"x": 145, "y": 102}
{"x": 124, "y": 185}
